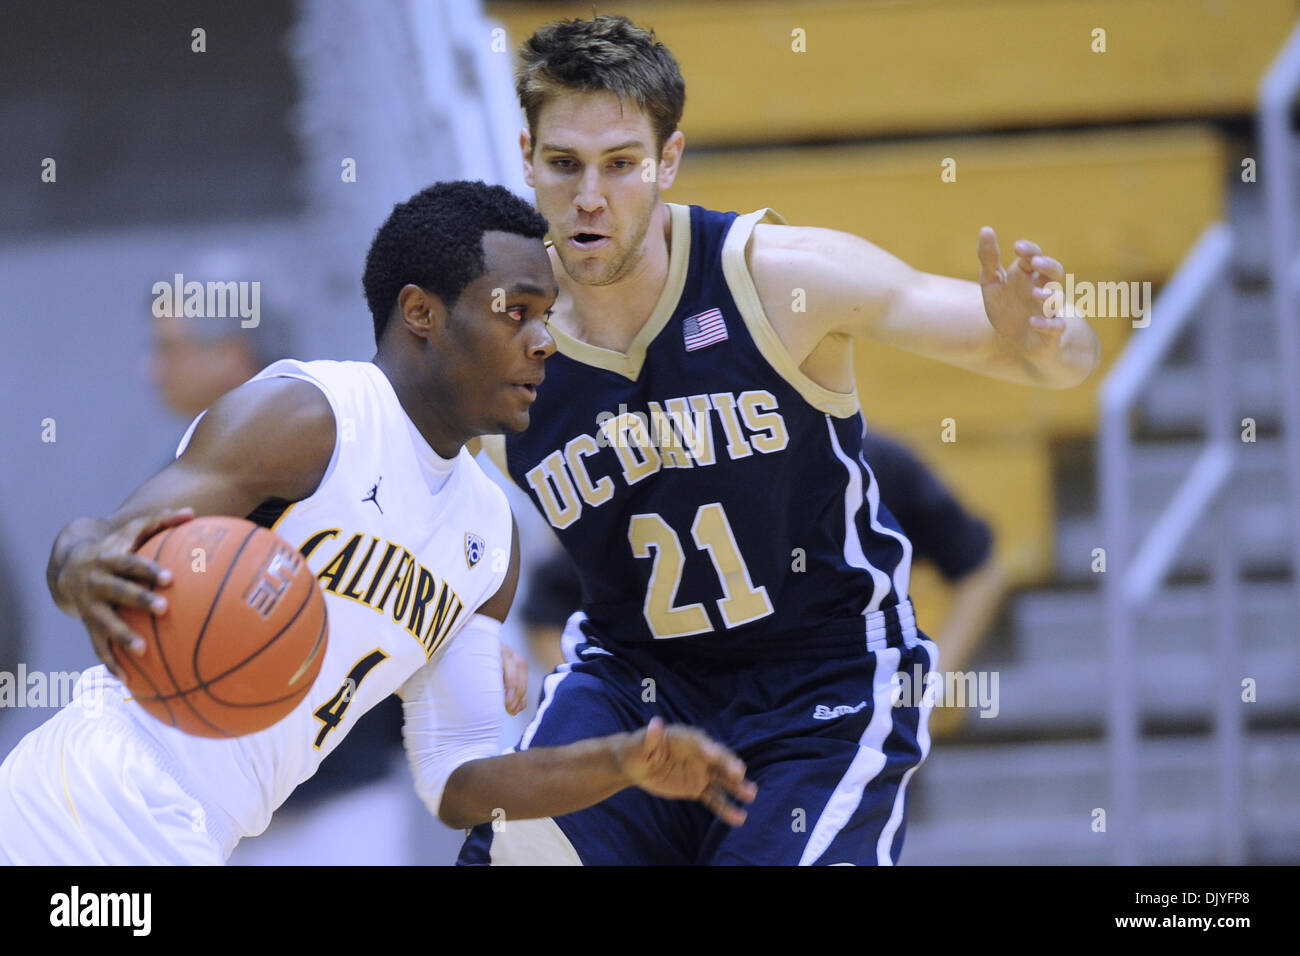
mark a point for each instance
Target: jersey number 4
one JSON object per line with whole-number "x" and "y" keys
{"x": 330, "y": 713}
{"x": 741, "y": 602}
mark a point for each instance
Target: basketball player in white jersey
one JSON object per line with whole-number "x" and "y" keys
{"x": 362, "y": 466}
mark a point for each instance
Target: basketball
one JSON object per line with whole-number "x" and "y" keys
{"x": 243, "y": 636}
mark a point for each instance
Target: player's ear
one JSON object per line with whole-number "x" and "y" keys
{"x": 526, "y": 146}
{"x": 670, "y": 157}
{"x": 421, "y": 312}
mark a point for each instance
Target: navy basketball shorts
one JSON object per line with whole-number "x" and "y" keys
{"x": 831, "y": 744}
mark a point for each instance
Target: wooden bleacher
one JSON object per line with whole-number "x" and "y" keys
{"x": 944, "y": 65}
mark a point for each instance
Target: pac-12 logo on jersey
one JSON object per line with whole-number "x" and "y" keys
{"x": 474, "y": 547}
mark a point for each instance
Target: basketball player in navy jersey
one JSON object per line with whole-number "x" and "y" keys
{"x": 697, "y": 448}
{"x": 459, "y": 289}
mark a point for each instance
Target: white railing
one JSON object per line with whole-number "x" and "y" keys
{"x": 1134, "y": 575}
{"x": 1277, "y": 94}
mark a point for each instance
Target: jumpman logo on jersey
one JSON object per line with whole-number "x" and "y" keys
{"x": 374, "y": 494}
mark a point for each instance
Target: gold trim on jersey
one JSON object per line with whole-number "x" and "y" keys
{"x": 628, "y": 364}
{"x": 283, "y": 514}
{"x": 63, "y": 766}
{"x": 736, "y": 271}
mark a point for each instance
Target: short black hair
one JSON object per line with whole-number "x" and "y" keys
{"x": 435, "y": 240}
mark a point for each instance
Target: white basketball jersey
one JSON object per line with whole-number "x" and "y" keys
{"x": 402, "y": 567}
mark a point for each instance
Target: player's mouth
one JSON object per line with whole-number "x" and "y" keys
{"x": 528, "y": 389}
{"x": 588, "y": 241}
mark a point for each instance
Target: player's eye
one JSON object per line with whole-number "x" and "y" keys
{"x": 562, "y": 163}
{"x": 517, "y": 312}
{"x": 623, "y": 164}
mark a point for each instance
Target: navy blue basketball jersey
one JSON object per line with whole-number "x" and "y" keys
{"x": 714, "y": 498}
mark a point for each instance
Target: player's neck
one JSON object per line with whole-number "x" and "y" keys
{"x": 421, "y": 407}
{"x": 610, "y": 316}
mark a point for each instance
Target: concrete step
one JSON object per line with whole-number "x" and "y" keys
{"x": 1068, "y": 625}
{"x": 1033, "y": 803}
{"x": 1261, "y": 533}
{"x": 1175, "y": 399}
{"x": 1186, "y": 838}
{"x": 1173, "y": 687}
{"x": 1257, "y": 491}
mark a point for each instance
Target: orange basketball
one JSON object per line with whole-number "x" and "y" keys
{"x": 243, "y": 636}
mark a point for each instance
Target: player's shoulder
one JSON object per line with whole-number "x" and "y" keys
{"x": 273, "y": 407}
{"x": 775, "y": 244}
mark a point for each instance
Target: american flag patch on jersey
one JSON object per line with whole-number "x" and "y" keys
{"x": 703, "y": 329}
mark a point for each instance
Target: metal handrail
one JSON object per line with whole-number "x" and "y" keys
{"x": 1129, "y": 583}
{"x": 1277, "y": 91}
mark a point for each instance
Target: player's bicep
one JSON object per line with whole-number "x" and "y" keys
{"x": 842, "y": 283}
{"x": 269, "y": 438}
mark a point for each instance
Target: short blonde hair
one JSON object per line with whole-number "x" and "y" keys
{"x": 604, "y": 54}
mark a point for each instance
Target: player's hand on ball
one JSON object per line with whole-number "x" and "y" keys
{"x": 103, "y": 574}
{"x": 683, "y": 763}
{"x": 1015, "y": 298}
{"x": 514, "y": 674}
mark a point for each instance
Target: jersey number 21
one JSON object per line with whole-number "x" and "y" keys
{"x": 741, "y": 602}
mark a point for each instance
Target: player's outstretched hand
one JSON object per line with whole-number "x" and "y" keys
{"x": 684, "y": 763}
{"x": 514, "y": 674}
{"x": 1016, "y": 299}
{"x": 104, "y": 572}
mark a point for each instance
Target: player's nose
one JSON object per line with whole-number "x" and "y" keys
{"x": 542, "y": 344}
{"x": 588, "y": 198}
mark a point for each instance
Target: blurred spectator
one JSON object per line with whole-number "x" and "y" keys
{"x": 197, "y": 360}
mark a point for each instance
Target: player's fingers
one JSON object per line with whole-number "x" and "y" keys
{"x": 105, "y": 626}
{"x": 137, "y": 568}
{"x": 1025, "y": 247}
{"x": 989, "y": 255}
{"x": 727, "y": 771}
{"x": 654, "y": 736}
{"x": 146, "y": 526}
{"x": 102, "y": 586}
{"x": 722, "y": 808}
{"x": 100, "y": 643}
{"x": 1048, "y": 324}
{"x": 1049, "y": 268}
{"x": 726, "y": 779}
{"x": 514, "y": 675}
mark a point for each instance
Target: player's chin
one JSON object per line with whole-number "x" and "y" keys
{"x": 514, "y": 422}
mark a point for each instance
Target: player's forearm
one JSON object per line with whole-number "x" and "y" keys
{"x": 75, "y": 532}
{"x": 945, "y": 319}
{"x": 543, "y": 782}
